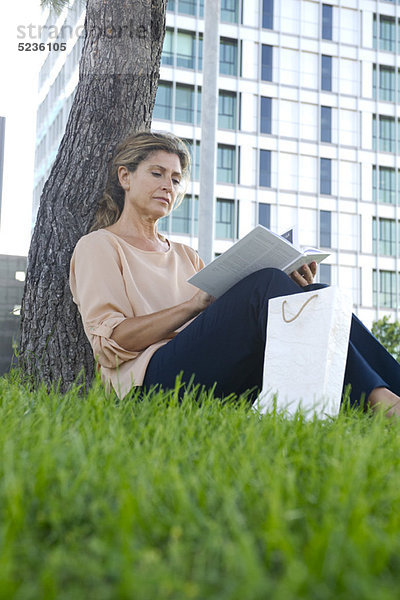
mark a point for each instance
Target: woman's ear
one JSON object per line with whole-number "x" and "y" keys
{"x": 123, "y": 176}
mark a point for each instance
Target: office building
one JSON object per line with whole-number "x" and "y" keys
{"x": 12, "y": 277}
{"x": 308, "y": 130}
{"x": 2, "y": 141}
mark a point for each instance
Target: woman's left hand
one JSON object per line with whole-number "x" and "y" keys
{"x": 305, "y": 275}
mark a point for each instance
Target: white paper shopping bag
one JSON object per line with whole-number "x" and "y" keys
{"x": 306, "y": 351}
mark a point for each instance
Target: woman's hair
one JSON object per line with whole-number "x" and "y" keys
{"x": 130, "y": 153}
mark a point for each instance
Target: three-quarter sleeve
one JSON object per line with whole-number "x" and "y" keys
{"x": 98, "y": 289}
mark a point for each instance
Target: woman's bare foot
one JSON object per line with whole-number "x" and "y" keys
{"x": 383, "y": 399}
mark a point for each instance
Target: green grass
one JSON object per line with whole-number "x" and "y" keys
{"x": 101, "y": 499}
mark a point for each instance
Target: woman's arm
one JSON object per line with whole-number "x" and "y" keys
{"x": 137, "y": 333}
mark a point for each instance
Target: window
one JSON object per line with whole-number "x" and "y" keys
{"x": 264, "y": 214}
{"x": 171, "y": 5}
{"x": 226, "y": 167}
{"x": 194, "y": 152}
{"x": 387, "y": 134}
{"x": 182, "y": 216}
{"x": 185, "y": 50}
{"x": 227, "y": 110}
{"x": 384, "y": 290}
{"x": 200, "y": 53}
{"x": 384, "y": 189}
{"x": 163, "y": 104}
{"x": 198, "y": 116}
{"x": 266, "y": 63}
{"x": 180, "y": 219}
{"x": 327, "y": 21}
{"x": 325, "y": 186}
{"x": 228, "y": 51}
{"x": 325, "y": 228}
{"x": 184, "y": 103}
{"x": 384, "y": 236}
{"x": 167, "y": 56}
{"x": 326, "y": 124}
{"x": 224, "y": 224}
{"x": 325, "y": 275}
{"x": 268, "y": 14}
{"x": 229, "y": 11}
{"x": 384, "y": 83}
{"x": 265, "y": 168}
{"x": 265, "y": 114}
{"x": 326, "y": 73}
{"x": 187, "y": 7}
{"x": 386, "y": 34}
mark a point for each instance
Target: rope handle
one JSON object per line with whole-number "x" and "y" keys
{"x": 300, "y": 311}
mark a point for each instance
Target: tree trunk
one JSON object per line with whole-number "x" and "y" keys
{"x": 118, "y": 76}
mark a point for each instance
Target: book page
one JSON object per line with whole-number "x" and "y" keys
{"x": 305, "y": 259}
{"x": 259, "y": 249}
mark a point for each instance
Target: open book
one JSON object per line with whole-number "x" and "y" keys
{"x": 259, "y": 249}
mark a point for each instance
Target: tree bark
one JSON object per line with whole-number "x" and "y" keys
{"x": 118, "y": 77}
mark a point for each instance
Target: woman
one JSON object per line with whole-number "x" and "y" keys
{"x": 146, "y": 324}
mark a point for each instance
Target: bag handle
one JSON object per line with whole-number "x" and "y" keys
{"x": 299, "y": 312}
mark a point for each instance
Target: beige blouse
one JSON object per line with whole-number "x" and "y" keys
{"x": 111, "y": 280}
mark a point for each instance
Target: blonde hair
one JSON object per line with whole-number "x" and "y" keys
{"x": 130, "y": 153}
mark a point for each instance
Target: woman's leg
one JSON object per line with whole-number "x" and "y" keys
{"x": 225, "y": 344}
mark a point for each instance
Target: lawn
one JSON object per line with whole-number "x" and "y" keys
{"x": 151, "y": 500}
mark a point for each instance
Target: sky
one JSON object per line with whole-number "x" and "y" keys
{"x": 19, "y": 72}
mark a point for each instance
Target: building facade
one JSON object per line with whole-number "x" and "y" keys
{"x": 308, "y": 129}
{"x": 2, "y": 142}
{"x": 12, "y": 277}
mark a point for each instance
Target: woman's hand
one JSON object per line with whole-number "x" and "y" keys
{"x": 305, "y": 275}
{"x": 201, "y": 300}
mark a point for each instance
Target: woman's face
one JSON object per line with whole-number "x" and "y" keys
{"x": 151, "y": 190}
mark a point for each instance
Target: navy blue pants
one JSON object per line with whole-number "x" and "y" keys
{"x": 225, "y": 345}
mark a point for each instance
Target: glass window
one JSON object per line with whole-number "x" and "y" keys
{"x": 268, "y": 14}
{"x": 182, "y": 216}
{"x": 327, "y": 10}
{"x": 387, "y": 33}
{"x": 325, "y": 275}
{"x": 198, "y": 116}
{"x": 163, "y": 104}
{"x": 384, "y": 85}
{"x": 326, "y": 124}
{"x": 184, "y": 103}
{"x": 384, "y": 289}
{"x": 326, "y": 73}
{"x": 167, "y": 56}
{"x": 264, "y": 214}
{"x": 185, "y": 50}
{"x": 265, "y": 168}
{"x": 384, "y": 236}
{"x": 384, "y": 187}
{"x": 266, "y": 63}
{"x": 325, "y": 228}
{"x": 194, "y": 152}
{"x": 171, "y": 5}
{"x": 226, "y": 167}
{"x": 228, "y": 50}
{"x": 200, "y": 53}
{"x": 227, "y": 110}
{"x": 229, "y": 11}
{"x": 265, "y": 114}
{"x": 224, "y": 224}
{"x": 325, "y": 176}
{"x": 387, "y": 134}
{"x": 187, "y": 7}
